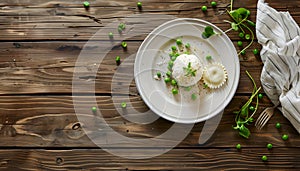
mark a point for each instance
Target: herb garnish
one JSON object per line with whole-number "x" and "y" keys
{"x": 242, "y": 116}
{"x": 208, "y": 31}
{"x": 189, "y": 70}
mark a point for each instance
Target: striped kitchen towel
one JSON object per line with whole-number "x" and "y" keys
{"x": 279, "y": 36}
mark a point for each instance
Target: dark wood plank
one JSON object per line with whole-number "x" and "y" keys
{"x": 176, "y": 159}
{"x": 51, "y": 121}
{"x": 48, "y": 67}
{"x": 31, "y": 22}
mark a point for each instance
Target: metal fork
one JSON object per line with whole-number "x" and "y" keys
{"x": 264, "y": 117}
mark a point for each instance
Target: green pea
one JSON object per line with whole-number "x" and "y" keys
{"x": 241, "y": 35}
{"x": 255, "y": 51}
{"x": 175, "y": 91}
{"x": 213, "y": 4}
{"x": 110, "y": 35}
{"x": 123, "y": 105}
{"x": 240, "y": 43}
{"x": 118, "y": 59}
{"x": 247, "y": 36}
{"x": 285, "y": 137}
{"x": 173, "y": 58}
{"x": 139, "y": 5}
{"x": 94, "y": 109}
{"x": 238, "y": 146}
{"x": 86, "y": 4}
{"x": 122, "y": 26}
{"x": 173, "y": 82}
{"x": 124, "y": 45}
{"x": 204, "y": 8}
{"x": 264, "y": 158}
{"x": 179, "y": 42}
{"x": 169, "y": 73}
{"x": 188, "y": 46}
{"x": 171, "y": 63}
{"x": 252, "y": 108}
{"x": 158, "y": 74}
{"x": 278, "y": 125}
{"x": 167, "y": 80}
{"x": 269, "y": 146}
{"x": 194, "y": 96}
{"x": 174, "y": 48}
{"x": 243, "y": 52}
{"x": 260, "y": 96}
{"x": 208, "y": 57}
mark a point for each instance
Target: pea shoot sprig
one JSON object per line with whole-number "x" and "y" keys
{"x": 189, "y": 70}
{"x": 242, "y": 116}
{"x": 241, "y": 22}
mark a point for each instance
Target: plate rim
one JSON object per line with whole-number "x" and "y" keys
{"x": 198, "y": 119}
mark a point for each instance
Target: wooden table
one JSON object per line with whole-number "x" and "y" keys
{"x": 40, "y": 43}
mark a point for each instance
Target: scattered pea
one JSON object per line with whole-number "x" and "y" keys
{"x": 118, "y": 60}
{"x": 241, "y": 35}
{"x": 260, "y": 96}
{"x": 194, "y": 96}
{"x": 173, "y": 58}
{"x": 171, "y": 63}
{"x": 285, "y": 137}
{"x": 204, "y": 8}
{"x": 173, "y": 83}
{"x": 188, "y": 88}
{"x": 252, "y": 108}
{"x": 188, "y": 46}
{"x": 94, "y": 109}
{"x": 120, "y": 29}
{"x": 243, "y": 52}
{"x": 122, "y": 26}
{"x": 213, "y": 4}
{"x": 174, "y": 48}
{"x": 247, "y": 36}
{"x": 255, "y": 51}
{"x": 168, "y": 73}
{"x": 278, "y": 125}
{"x": 174, "y": 91}
{"x": 139, "y": 5}
{"x": 124, "y": 45}
{"x": 86, "y": 4}
{"x": 269, "y": 146}
{"x": 264, "y": 158}
{"x": 179, "y": 42}
{"x": 110, "y": 35}
{"x": 167, "y": 80}
{"x": 208, "y": 57}
{"x": 123, "y": 105}
{"x": 158, "y": 74}
{"x": 240, "y": 43}
{"x": 238, "y": 146}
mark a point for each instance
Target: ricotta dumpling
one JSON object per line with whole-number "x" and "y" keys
{"x": 214, "y": 75}
{"x": 187, "y": 70}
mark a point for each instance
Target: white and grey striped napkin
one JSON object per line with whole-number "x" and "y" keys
{"x": 279, "y": 36}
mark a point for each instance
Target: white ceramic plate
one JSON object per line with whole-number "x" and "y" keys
{"x": 153, "y": 56}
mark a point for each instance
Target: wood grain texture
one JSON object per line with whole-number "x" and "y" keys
{"x": 39, "y": 127}
{"x": 190, "y": 159}
{"x": 48, "y": 67}
{"x": 50, "y": 122}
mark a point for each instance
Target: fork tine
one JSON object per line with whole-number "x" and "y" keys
{"x": 265, "y": 121}
{"x": 260, "y": 124}
{"x": 260, "y": 118}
